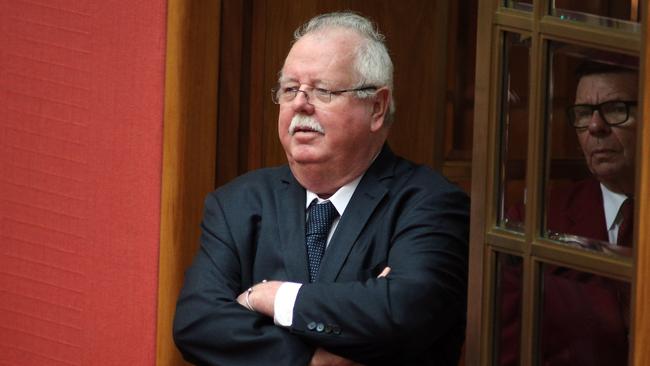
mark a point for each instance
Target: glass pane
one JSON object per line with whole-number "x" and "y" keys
{"x": 514, "y": 131}
{"x": 590, "y": 148}
{"x": 508, "y": 310}
{"x": 584, "y": 319}
{"x": 622, "y": 14}
{"x": 525, "y": 5}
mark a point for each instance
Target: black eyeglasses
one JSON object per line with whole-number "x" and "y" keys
{"x": 614, "y": 112}
{"x": 281, "y": 94}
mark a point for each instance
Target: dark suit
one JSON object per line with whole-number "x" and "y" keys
{"x": 583, "y": 315}
{"x": 401, "y": 215}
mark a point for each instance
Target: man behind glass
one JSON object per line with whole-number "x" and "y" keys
{"x": 390, "y": 287}
{"x": 585, "y": 318}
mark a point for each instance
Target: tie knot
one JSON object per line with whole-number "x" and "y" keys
{"x": 319, "y": 222}
{"x": 321, "y": 217}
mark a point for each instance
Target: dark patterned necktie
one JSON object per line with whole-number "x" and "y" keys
{"x": 319, "y": 222}
{"x": 625, "y": 230}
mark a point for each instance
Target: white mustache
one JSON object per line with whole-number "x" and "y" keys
{"x": 302, "y": 121}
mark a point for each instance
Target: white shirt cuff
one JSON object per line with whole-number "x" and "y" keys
{"x": 285, "y": 299}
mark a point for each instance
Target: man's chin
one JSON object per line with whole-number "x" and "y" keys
{"x": 305, "y": 154}
{"x": 608, "y": 167}
{"x": 607, "y": 173}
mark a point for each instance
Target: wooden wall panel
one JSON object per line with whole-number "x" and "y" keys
{"x": 459, "y": 96}
{"x": 189, "y": 142}
{"x": 233, "y": 88}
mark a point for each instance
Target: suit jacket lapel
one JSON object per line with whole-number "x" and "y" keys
{"x": 290, "y": 215}
{"x": 369, "y": 193}
{"x": 587, "y": 215}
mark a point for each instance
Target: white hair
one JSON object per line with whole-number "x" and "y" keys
{"x": 372, "y": 61}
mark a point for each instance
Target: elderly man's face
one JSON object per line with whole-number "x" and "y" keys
{"x": 609, "y": 150}
{"x": 348, "y": 132}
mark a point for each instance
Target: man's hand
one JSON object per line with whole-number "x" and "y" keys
{"x": 324, "y": 358}
{"x": 261, "y": 298}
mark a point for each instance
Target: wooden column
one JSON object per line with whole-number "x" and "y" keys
{"x": 189, "y": 150}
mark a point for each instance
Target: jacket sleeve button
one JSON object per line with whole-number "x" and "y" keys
{"x": 320, "y": 327}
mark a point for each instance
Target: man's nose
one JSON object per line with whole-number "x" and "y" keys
{"x": 301, "y": 103}
{"x": 597, "y": 124}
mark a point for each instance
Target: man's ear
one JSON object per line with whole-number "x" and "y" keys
{"x": 380, "y": 109}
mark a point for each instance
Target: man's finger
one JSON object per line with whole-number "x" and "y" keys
{"x": 384, "y": 273}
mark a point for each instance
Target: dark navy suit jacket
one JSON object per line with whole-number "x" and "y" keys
{"x": 401, "y": 215}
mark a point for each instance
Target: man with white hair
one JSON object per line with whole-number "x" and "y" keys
{"x": 347, "y": 255}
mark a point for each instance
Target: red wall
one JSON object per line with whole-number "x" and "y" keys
{"x": 81, "y": 101}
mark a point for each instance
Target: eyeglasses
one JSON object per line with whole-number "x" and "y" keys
{"x": 281, "y": 94}
{"x": 614, "y": 113}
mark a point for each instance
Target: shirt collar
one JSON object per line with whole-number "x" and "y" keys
{"x": 612, "y": 202}
{"x": 339, "y": 199}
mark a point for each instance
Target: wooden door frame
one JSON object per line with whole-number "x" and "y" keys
{"x": 189, "y": 150}
{"x": 641, "y": 292}
{"x": 474, "y": 343}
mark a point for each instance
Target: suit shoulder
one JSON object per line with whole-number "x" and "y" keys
{"x": 257, "y": 182}
{"x": 422, "y": 176}
{"x": 568, "y": 194}
{"x": 413, "y": 187}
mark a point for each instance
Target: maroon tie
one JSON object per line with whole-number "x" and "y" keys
{"x": 625, "y": 230}
{"x": 624, "y": 239}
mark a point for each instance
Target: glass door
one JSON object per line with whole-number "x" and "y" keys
{"x": 559, "y": 164}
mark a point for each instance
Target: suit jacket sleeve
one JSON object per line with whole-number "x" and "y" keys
{"x": 210, "y": 327}
{"x": 420, "y": 303}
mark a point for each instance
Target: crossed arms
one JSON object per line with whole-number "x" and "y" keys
{"x": 404, "y": 313}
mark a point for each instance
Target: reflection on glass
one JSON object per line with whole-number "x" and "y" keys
{"x": 584, "y": 319}
{"x": 622, "y": 14}
{"x": 508, "y": 310}
{"x": 525, "y": 5}
{"x": 514, "y": 131}
{"x": 590, "y": 148}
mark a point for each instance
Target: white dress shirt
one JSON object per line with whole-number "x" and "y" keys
{"x": 285, "y": 298}
{"x": 612, "y": 202}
